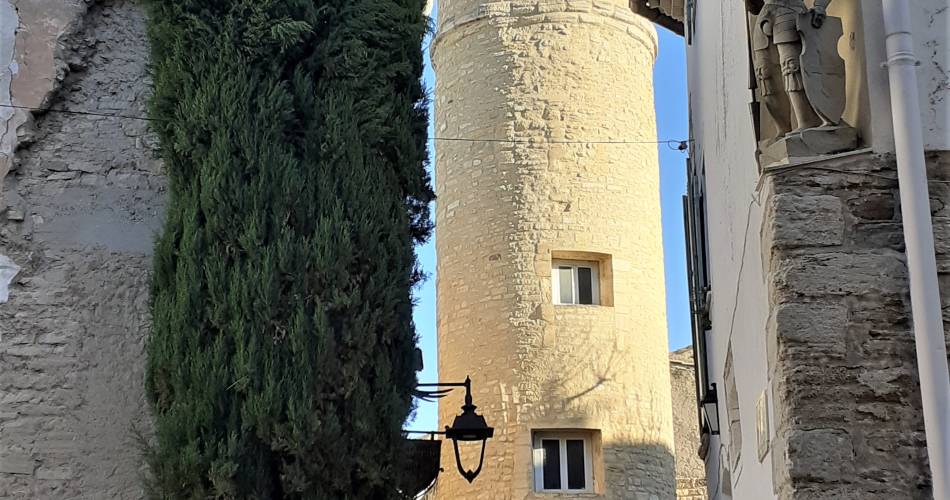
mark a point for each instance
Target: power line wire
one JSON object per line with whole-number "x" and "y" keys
{"x": 680, "y": 144}
{"x": 671, "y": 143}
{"x": 84, "y": 113}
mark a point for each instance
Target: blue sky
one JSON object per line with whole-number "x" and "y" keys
{"x": 671, "y": 109}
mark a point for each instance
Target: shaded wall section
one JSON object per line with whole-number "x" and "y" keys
{"x": 80, "y": 205}
{"x": 690, "y": 469}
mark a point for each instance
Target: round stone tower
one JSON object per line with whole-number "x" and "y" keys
{"x": 550, "y": 259}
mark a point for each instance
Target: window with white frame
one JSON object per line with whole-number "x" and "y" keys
{"x": 563, "y": 462}
{"x": 575, "y": 282}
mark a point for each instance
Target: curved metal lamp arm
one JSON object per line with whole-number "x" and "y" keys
{"x": 441, "y": 393}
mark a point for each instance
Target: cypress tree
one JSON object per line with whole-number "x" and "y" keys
{"x": 294, "y": 137}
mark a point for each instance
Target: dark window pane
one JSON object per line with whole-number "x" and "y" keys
{"x": 552, "y": 464}
{"x": 576, "y": 477}
{"x": 584, "y": 286}
{"x": 565, "y": 277}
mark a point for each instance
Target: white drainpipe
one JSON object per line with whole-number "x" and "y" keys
{"x": 918, "y": 237}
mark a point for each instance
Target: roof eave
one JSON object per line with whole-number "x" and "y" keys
{"x": 658, "y": 16}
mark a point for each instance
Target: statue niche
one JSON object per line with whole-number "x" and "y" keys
{"x": 800, "y": 80}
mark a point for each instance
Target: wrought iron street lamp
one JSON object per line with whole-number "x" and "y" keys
{"x": 710, "y": 404}
{"x": 467, "y": 427}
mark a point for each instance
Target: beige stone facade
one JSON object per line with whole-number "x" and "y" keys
{"x": 543, "y": 95}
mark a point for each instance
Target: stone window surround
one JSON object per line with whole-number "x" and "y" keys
{"x": 605, "y": 275}
{"x": 594, "y": 458}
{"x": 733, "y": 420}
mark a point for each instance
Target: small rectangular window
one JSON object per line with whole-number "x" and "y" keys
{"x": 563, "y": 461}
{"x": 576, "y": 282}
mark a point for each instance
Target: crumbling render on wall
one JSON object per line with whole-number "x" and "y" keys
{"x": 81, "y": 201}
{"x": 9, "y": 20}
{"x": 8, "y": 271}
{"x": 690, "y": 469}
{"x": 32, "y": 64}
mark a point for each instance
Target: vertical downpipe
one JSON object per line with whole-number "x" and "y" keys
{"x": 918, "y": 236}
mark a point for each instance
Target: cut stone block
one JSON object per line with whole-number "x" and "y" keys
{"x": 17, "y": 464}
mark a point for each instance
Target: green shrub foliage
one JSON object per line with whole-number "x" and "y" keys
{"x": 294, "y": 135}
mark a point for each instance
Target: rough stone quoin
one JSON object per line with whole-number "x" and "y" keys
{"x": 840, "y": 325}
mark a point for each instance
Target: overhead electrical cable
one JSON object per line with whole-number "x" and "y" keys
{"x": 675, "y": 144}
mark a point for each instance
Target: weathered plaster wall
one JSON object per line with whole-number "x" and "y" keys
{"x": 848, "y": 237}
{"x": 724, "y": 145}
{"x": 30, "y": 62}
{"x": 9, "y": 20}
{"x": 932, "y": 37}
{"x": 930, "y": 20}
{"x": 542, "y": 71}
{"x": 81, "y": 203}
{"x": 847, "y": 403}
{"x": 690, "y": 469}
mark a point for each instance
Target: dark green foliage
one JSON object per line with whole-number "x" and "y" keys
{"x": 293, "y": 132}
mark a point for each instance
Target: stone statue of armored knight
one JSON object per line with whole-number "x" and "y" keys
{"x": 800, "y": 79}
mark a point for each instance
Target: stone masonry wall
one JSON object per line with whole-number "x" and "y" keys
{"x": 846, "y": 404}
{"x": 690, "y": 469}
{"x": 560, "y": 79}
{"x": 80, "y": 205}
